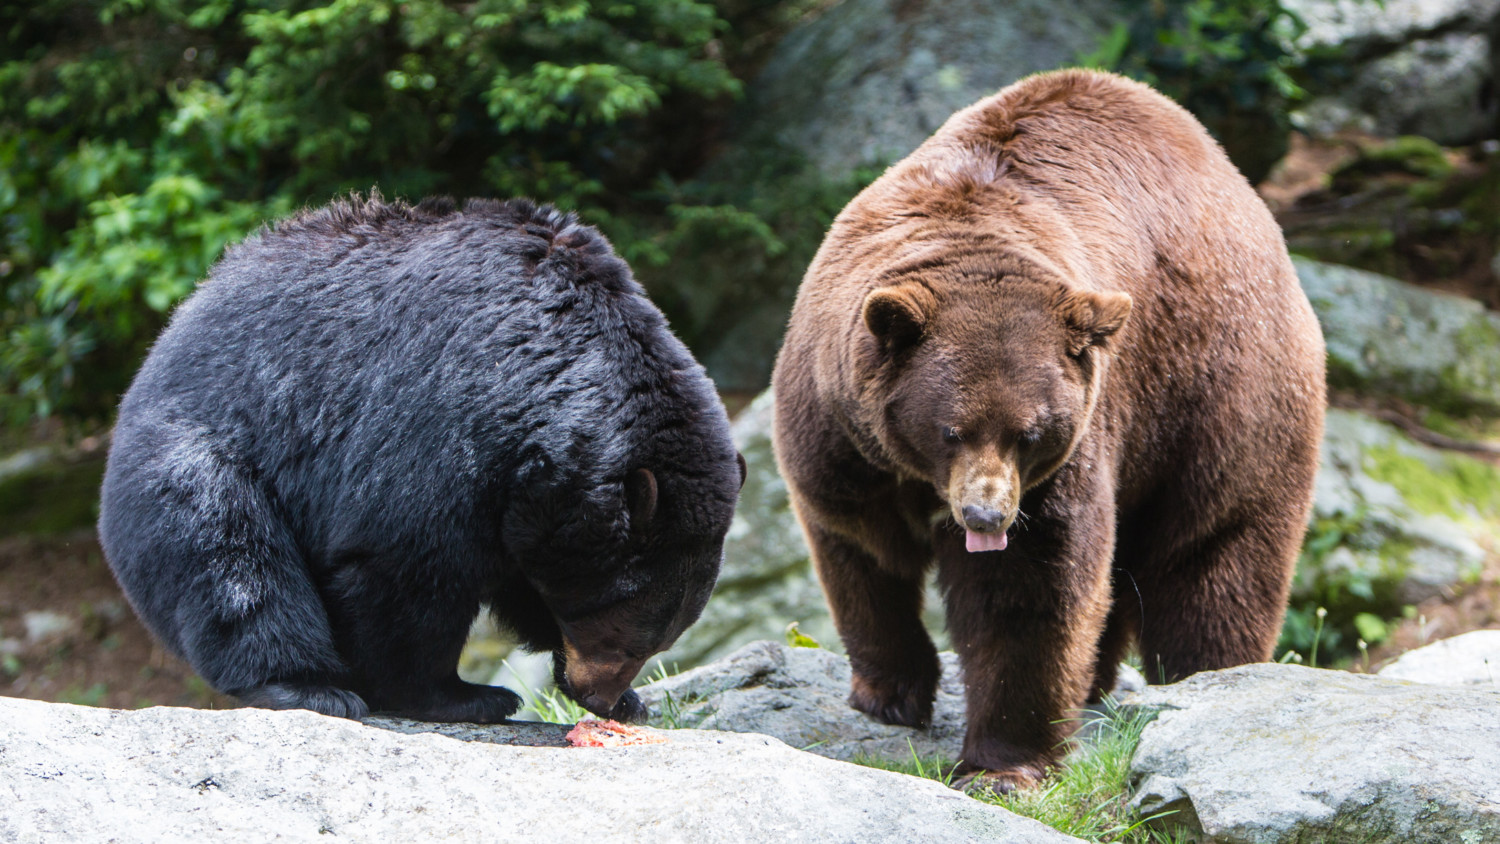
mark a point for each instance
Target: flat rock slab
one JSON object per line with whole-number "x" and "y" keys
{"x": 81, "y": 774}
{"x": 1282, "y": 753}
{"x": 1472, "y": 659}
{"x": 800, "y": 695}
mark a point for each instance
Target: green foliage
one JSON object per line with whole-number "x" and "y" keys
{"x": 138, "y": 137}
{"x": 1324, "y": 621}
{"x": 733, "y": 247}
{"x": 1230, "y": 62}
{"x": 90, "y": 696}
{"x": 795, "y": 638}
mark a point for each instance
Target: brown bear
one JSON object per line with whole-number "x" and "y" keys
{"x": 1060, "y": 352}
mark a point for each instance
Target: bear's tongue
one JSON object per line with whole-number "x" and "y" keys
{"x": 985, "y": 541}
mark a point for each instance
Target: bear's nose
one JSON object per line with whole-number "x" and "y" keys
{"x": 982, "y": 519}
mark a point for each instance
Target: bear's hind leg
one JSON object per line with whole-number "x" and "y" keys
{"x": 1219, "y": 603}
{"x": 210, "y": 567}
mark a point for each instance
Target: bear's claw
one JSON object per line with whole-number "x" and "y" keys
{"x": 979, "y": 780}
{"x": 903, "y": 703}
{"x": 328, "y": 700}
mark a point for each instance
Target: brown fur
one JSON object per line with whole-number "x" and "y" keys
{"x": 1066, "y": 315}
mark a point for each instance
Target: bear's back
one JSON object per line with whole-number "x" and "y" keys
{"x": 362, "y": 355}
{"x": 1112, "y": 183}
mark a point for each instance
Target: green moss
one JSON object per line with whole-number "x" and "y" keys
{"x": 1461, "y": 488}
{"x": 1472, "y": 426}
{"x": 54, "y": 499}
{"x": 1410, "y": 153}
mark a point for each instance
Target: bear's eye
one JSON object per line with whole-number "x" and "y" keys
{"x": 952, "y": 436}
{"x": 1031, "y": 436}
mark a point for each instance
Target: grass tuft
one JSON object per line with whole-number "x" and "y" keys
{"x": 931, "y": 768}
{"x": 1089, "y": 797}
{"x": 549, "y": 704}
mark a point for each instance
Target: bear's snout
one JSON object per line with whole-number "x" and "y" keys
{"x": 983, "y": 494}
{"x": 599, "y": 683}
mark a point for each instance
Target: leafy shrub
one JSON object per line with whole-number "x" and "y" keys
{"x": 1230, "y": 62}
{"x": 138, "y": 137}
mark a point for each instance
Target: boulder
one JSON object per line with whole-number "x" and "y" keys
{"x": 799, "y": 695}
{"x": 1422, "y": 67}
{"x": 1280, "y": 753}
{"x": 1386, "y": 337}
{"x": 869, "y": 80}
{"x": 1363, "y": 28}
{"x": 75, "y": 773}
{"x": 1394, "y": 521}
{"x": 1471, "y": 659}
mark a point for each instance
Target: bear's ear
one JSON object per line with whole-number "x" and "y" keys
{"x": 1093, "y": 317}
{"x": 744, "y": 470}
{"x": 898, "y": 315}
{"x": 640, "y": 498}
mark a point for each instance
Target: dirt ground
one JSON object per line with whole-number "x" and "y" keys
{"x": 67, "y": 634}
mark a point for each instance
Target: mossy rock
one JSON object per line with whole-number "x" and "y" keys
{"x": 1386, "y": 337}
{"x": 44, "y": 493}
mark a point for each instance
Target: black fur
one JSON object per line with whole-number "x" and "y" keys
{"x": 373, "y": 418}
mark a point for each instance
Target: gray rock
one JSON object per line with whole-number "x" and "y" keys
{"x": 28, "y": 462}
{"x": 1472, "y": 659}
{"x": 869, "y": 80}
{"x": 1362, "y": 27}
{"x": 1281, "y": 753}
{"x": 1397, "y": 544}
{"x": 45, "y": 624}
{"x": 1422, "y": 67}
{"x": 799, "y": 695}
{"x": 1434, "y": 87}
{"x": 1388, "y": 337}
{"x": 79, "y": 774}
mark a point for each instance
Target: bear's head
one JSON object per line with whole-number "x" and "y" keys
{"x": 985, "y": 382}
{"x": 622, "y": 570}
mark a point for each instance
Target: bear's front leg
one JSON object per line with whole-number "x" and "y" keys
{"x": 878, "y": 613}
{"x": 403, "y": 641}
{"x": 1026, "y": 623}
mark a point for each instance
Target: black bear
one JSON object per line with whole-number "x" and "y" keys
{"x": 375, "y": 417}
